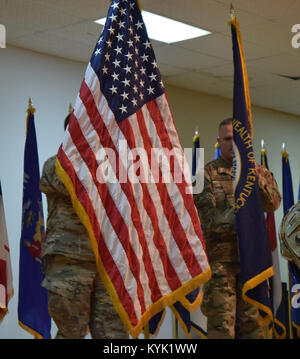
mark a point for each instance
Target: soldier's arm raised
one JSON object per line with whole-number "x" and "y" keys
{"x": 269, "y": 192}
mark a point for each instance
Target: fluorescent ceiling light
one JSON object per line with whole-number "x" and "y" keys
{"x": 167, "y": 30}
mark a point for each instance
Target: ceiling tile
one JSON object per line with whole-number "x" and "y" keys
{"x": 33, "y": 15}
{"x": 199, "y": 81}
{"x": 220, "y": 45}
{"x": 187, "y": 59}
{"x": 50, "y": 44}
{"x": 284, "y": 64}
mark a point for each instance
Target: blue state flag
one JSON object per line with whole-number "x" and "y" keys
{"x": 287, "y": 183}
{"x": 33, "y": 313}
{"x": 294, "y": 281}
{"x": 217, "y": 151}
{"x": 196, "y": 147}
{"x": 255, "y": 253}
{"x": 182, "y": 311}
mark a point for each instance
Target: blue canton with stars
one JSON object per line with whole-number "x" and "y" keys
{"x": 124, "y": 61}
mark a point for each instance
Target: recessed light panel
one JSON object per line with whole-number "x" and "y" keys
{"x": 167, "y": 30}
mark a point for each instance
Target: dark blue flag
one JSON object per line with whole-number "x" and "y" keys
{"x": 217, "y": 151}
{"x": 287, "y": 183}
{"x": 33, "y": 302}
{"x": 294, "y": 281}
{"x": 196, "y": 146}
{"x": 182, "y": 311}
{"x": 254, "y": 248}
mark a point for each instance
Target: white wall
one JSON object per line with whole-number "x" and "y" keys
{"x": 53, "y": 83}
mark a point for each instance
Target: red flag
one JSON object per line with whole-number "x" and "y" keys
{"x": 6, "y": 284}
{"x": 124, "y": 167}
{"x": 275, "y": 281}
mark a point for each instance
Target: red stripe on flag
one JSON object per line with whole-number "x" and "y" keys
{"x": 162, "y": 131}
{"x": 6, "y": 248}
{"x": 170, "y": 213}
{"x": 170, "y": 274}
{"x": 109, "y": 264}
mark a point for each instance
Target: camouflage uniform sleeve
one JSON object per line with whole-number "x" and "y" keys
{"x": 269, "y": 192}
{"x": 213, "y": 218}
{"x": 50, "y": 182}
{"x": 205, "y": 203}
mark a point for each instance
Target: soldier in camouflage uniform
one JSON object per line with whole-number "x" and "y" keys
{"x": 228, "y": 316}
{"x": 77, "y": 299}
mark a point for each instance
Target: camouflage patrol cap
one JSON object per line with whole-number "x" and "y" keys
{"x": 289, "y": 235}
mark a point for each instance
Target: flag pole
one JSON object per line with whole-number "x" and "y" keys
{"x": 286, "y": 156}
{"x": 289, "y": 302}
{"x": 232, "y": 13}
{"x": 175, "y": 327}
{"x": 267, "y": 332}
{"x": 30, "y": 111}
{"x": 146, "y": 332}
{"x": 70, "y": 108}
{"x": 263, "y": 153}
{"x": 29, "y": 103}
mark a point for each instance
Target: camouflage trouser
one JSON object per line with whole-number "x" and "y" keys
{"x": 228, "y": 316}
{"x": 78, "y": 301}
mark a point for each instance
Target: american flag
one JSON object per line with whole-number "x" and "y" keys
{"x": 144, "y": 230}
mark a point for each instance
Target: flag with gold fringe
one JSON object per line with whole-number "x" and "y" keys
{"x": 33, "y": 299}
{"x": 254, "y": 248}
{"x": 129, "y": 181}
{"x": 6, "y": 281}
{"x": 279, "y": 321}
